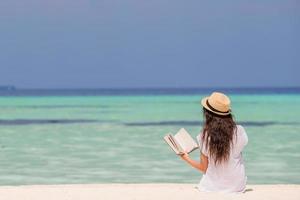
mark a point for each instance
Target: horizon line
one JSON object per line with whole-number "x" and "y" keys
{"x": 152, "y": 88}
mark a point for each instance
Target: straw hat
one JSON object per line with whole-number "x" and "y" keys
{"x": 217, "y": 103}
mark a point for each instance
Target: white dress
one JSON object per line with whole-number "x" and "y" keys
{"x": 230, "y": 176}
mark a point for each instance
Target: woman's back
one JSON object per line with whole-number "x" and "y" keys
{"x": 222, "y": 142}
{"x": 228, "y": 176}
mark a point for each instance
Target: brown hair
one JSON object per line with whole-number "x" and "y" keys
{"x": 218, "y": 134}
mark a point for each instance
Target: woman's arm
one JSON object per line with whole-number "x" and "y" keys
{"x": 202, "y": 165}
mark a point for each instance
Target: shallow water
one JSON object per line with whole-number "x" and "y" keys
{"x": 109, "y": 139}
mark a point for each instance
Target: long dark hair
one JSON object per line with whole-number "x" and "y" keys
{"x": 218, "y": 134}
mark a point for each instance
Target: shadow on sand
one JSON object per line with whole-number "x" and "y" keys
{"x": 248, "y": 190}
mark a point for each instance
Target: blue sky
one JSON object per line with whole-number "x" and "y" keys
{"x": 158, "y": 43}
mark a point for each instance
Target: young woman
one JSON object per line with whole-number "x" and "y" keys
{"x": 222, "y": 144}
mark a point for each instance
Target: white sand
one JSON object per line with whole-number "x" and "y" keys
{"x": 141, "y": 192}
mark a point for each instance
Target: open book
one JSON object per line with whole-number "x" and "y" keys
{"x": 181, "y": 142}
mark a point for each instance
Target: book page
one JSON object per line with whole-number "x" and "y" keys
{"x": 185, "y": 141}
{"x": 177, "y": 144}
{"x": 170, "y": 141}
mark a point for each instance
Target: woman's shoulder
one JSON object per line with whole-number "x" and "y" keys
{"x": 199, "y": 137}
{"x": 240, "y": 128}
{"x": 241, "y": 133}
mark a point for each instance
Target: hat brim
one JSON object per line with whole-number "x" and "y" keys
{"x": 203, "y": 103}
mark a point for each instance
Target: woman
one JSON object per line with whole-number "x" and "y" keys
{"x": 222, "y": 144}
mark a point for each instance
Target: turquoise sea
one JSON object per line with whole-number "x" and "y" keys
{"x": 52, "y": 138}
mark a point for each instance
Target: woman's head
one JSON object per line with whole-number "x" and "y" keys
{"x": 219, "y": 127}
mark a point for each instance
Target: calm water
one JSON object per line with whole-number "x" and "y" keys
{"x": 108, "y": 139}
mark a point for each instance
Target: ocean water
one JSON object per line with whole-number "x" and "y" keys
{"x": 94, "y": 138}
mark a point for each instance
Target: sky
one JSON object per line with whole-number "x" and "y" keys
{"x": 142, "y": 43}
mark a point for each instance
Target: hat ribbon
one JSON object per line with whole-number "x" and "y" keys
{"x": 213, "y": 109}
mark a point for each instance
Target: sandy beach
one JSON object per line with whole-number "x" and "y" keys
{"x": 141, "y": 192}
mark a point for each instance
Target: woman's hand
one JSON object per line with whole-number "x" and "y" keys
{"x": 184, "y": 156}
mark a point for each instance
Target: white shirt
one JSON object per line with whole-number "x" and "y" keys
{"x": 230, "y": 176}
